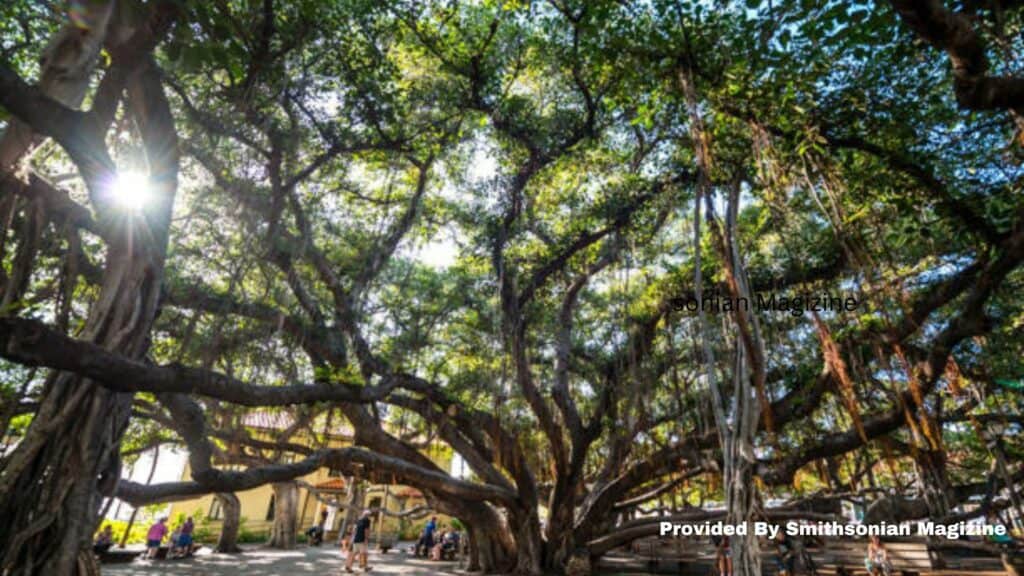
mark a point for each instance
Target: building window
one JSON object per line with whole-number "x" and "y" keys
{"x": 216, "y": 511}
{"x": 270, "y": 508}
{"x": 375, "y": 503}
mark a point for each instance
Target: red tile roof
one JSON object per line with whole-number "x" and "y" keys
{"x": 408, "y": 492}
{"x": 280, "y": 420}
{"x": 331, "y": 484}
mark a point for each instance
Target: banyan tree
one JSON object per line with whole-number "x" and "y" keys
{"x": 513, "y": 232}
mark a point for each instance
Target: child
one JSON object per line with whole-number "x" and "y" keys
{"x": 173, "y": 543}
{"x": 877, "y": 560}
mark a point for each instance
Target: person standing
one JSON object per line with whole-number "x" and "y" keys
{"x": 155, "y": 537}
{"x": 723, "y": 557}
{"x": 427, "y": 540}
{"x": 185, "y": 537}
{"x": 359, "y": 543}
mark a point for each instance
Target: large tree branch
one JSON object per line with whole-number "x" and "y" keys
{"x": 32, "y": 343}
{"x": 968, "y": 322}
{"x": 75, "y": 131}
{"x": 345, "y": 459}
{"x": 955, "y": 34}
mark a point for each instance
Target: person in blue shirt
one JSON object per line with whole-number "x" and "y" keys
{"x": 360, "y": 536}
{"x": 427, "y": 540}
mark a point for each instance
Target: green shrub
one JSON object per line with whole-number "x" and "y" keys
{"x": 246, "y": 536}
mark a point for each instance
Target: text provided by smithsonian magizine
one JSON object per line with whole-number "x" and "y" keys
{"x": 793, "y": 528}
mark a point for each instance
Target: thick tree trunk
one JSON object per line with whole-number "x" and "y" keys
{"x": 529, "y": 544}
{"x": 561, "y": 544}
{"x": 51, "y": 485}
{"x": 88, "y": 564}
{"x": 227, "y": 543}
{"x": 286, "y": 505}
{"x": 472, "y": 551}
{"x": 492, "y": 547}
{"x": 491, "y": 556}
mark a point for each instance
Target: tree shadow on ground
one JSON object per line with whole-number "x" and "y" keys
{"x": 267, "y": 562}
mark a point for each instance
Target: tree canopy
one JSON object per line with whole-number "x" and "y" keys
{"x": 478, "y": 226}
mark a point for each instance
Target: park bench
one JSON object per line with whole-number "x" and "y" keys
{"x": 974, "y": 554}
{"x": 118, "y": 556}
{"x": 680, "y": 556}
{"x": 835, "y": 557}
{"x": 163, "y": 552}
{"x": 912, "y": 558}
{"x": 841, "y": 556}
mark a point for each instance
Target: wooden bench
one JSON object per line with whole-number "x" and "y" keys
{"x": 118, "y": 556}
{"x": 164, "y": 551}
{"x": 847, "y": 556}
{"x": 681, "y": 557}
{"x": 913, "y": 557}
{"x": 974, "y": 555}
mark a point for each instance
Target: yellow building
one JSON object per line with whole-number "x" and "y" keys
{"x": 328, "y": 486}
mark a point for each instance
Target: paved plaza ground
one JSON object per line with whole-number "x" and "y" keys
{"x": 258, "y": 561}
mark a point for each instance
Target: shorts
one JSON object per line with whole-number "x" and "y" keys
{"x": 359, "y": 547}
{"x": 185, "y": 540}
{"x": 871, "y": 565}
{"x": 152, "y": 543}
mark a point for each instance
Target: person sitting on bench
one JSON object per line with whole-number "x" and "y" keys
{"x": 785, "y": 555}
{"x": 877, "y": 560}
{"x": 172, "y": 543}
{"x": 1003, "y": 540}
{"x": 183, "y": 544}
{"x": 438, "y": 548}
{"x": 104, "y": 540}
{"x": 316, "y": 531}
{"x": 450, "y": 545}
